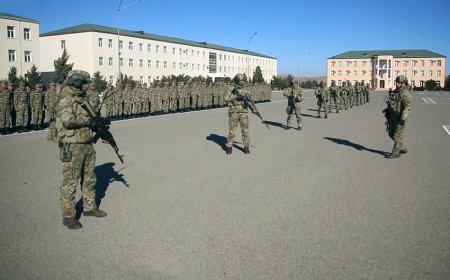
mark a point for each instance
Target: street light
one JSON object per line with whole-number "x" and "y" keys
{"x": 248, "y": 54}
{"x": 118, "y": 35}
{"x": 298, "y": 65}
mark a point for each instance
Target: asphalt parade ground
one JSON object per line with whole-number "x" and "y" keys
{"x": 320, "y": 203}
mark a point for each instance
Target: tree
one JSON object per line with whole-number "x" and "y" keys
{"x": 12, "y": 77}
{"x": 277, "y": 82}
{"x": 98, "y": 82}
{"x": 209, "y": 80}
{"x": 62, "y": 68}
{"x": 430, "y": 85}
{"x": 257, "y": 75}
{"x": 447, "y": 83}
{"x": 33, "y": 77}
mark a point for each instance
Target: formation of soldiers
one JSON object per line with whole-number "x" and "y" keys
{"x": 24, "y": 109}
{"x": 140, "y": 101}
{"x": 340, "y": 97}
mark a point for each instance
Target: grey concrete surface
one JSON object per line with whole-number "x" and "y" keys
{"x": 322, "y": 203}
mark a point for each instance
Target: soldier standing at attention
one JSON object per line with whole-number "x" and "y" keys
{"x": 334, "y": 96}
{"x": 238, "y": 114}
{"x": 92, "y": 95}
{"x": 21, "y": 104}
{"x": 77, "y": 154}
{"x": 343, "y": 96}
{"x": 295, "y": 96}
{"x": 321, "y": 93}
{"x": 5, "y": 107}
{"x": 399, "y": 108}
{"x": 37, "y": 106}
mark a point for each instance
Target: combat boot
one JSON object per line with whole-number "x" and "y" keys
{"x": 299, "y": 128}
{"x": 229, "y": 150}
{"x": 393, "y": 155}
{"x": 246, "y": 150}
{"x": 326, "y": 116}
{"x": 287, "y": 127}
{"x": 3, "y": 131}
{"x": 95, "y": 213}
{"x": 403, "y": 151}
{"x": 72, "y": 223}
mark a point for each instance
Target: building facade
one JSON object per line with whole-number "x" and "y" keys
{"x": 147, "y": 57}
{"x": 19, "y": 44}
{"x": 379, "y": 68}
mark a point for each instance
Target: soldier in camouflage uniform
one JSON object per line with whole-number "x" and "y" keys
{"x": 399, "y": 107}
{"x": 295, "y": 96}
{"x": 21, "y": 106}
{"x": 118, "y": 102}
{"x": 322, "y": 93}
{"x": 367, "y": 91}
{"x": 334, "y": 96}
{"x": 108, "y": 99}
{"x": 343, "y": 96}
{"x": 350, "y": 93}
{"x": 37, "y": 106}
{"x": 92, "y": 95}
{"x": 50, "y": 99}
{"x": 5, "y": 107}
{"x": 127, "y": 101}
{"x": 238, "y": 114}
{"x": 77, "y": 154}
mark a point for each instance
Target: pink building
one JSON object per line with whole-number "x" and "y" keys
{"x": 379, "y": 68}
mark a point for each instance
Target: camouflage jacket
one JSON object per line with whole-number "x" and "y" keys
{"x": 401, "y": 102}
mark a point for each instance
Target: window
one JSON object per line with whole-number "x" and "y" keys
{"x": 363, "y": 73}
{"x": 203, "y": 54}
{"x": 355, "y": 73}
{"x": 438, "y": 73}
{"x": 165, "y": 64}
{"x": 430, "y": 73}
{"x": 110, "y": 43}
{"x": 198, "y": 53}
{"x": 339, "y": 63}
{"x": 27, "y": 56}
{"x": 355, "y": 63}
{"x": 149, "y": 64}
{"x": 100, "y": 61}
{"x": 439, "y": 63}
{"x": 141, "y": 63}
{"x": 130, "y": 62}
{"x": 27, "y": 34}
{"x": 157, "y": 63}
{"x": 198, "y": 66}
{"x": 339, "y": 73}
{"x": 333, "y": 64}
{"x": 130, "y": 46}
{"x": 192, "y": 66}
{"x": 422, "y": 73}
{"x": 110, "y": 80}
{"x": 192, "y": 53}
{"x": 348, "y": 63}
{"x": 396, "y": 63}
{"x": 212, "y": 62}
{"x": 12, "y": 55}
{"x": 174, "y": 65}
{"x": 180, "y": 66}
{"x": 141, "y": 79}
{"x": 405, "y": 63}
{"x": 140, "y": 47}
{"x": 413, "y": 73}
{"x": 121, "y": 62}
{"x": 149, "y": 47}
{"x": 397, "y": 73}
{"x": 63, "y": 44}
{"x": 149, "y": 80}
{"x": 422, "y": 63}
{"x": 100, "y": 42}
{"x": 430, "y": 63}
{"x": 110, "y": 61}
{"x": 364, "y": 63}
{"x": 414, "y": 63}
{"x": 333, "y": 73}
{"x": 11, "y": 31}
{"x": 347, "y": 73}
{"x": 180, "y": 52}
{"x": 120, "y": 44}
{"x": 164, "y": 49}
{"x": 173, "y": 50}
{"x": 157, "y": 48}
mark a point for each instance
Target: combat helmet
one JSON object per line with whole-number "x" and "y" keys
{"x": 401, "y": 79}
{"x": 77, "y": 78}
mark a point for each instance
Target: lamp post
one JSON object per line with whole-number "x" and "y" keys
{"x": 248, "y": 55}
{"x": 120, "y": 8}
{"x": 298, "y": 65}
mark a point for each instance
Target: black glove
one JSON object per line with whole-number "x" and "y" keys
{"x": 94, "y": 123}
{"x": 401, "y": 122}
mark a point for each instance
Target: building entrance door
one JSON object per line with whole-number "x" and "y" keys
{"x": 381, "y": 83}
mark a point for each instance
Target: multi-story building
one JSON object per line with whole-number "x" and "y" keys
{"x": 19, "y": 44}
{"x": 147, "y": 57}
{"x": 379, "y": 68}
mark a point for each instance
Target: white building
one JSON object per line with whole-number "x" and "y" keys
{"x": 147, "y": 57}
{"x": 19, "y": 44}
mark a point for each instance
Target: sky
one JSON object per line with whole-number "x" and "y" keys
{"x": 285, "y": 28}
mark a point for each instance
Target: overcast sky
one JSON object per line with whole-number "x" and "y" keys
{"x": 285, "y": 28}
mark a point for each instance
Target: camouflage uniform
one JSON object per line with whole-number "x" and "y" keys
{"x": 50, "y": 99}
{"x": 399, "y": 108}
{"x": 92, "y": 96}
{"x": 238, "y": 114}
{"x": 21, "y": 106}
{"x": 295, "y": 96}
{"x": 334, "y": 94}
{"x": 37, "y": 106}
{"x": 321, "y": 93}
{"x": 108, "y": 99}
{"x": 5, "y": 108}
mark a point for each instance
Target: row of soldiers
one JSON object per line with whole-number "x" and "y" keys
{"x": 342, "y": 97}
{"x": 24, "y": 108}
{"x": 129, "y": 102}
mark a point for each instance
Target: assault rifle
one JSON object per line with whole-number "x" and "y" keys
{"x": 102, "y": 128}
{"x": 388, "y": 110}
{"x": 248, "y": 103}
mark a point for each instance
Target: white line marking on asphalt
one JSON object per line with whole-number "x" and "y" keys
{"x": 420, "y": 93}
{"x": 428, "y": 100}
{"x": 447, "y": 128}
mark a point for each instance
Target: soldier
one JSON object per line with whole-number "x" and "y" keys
{"x": 76, "y": 151}
{"x": 295, "y": 96}
{"x": 367, "y": 90}
{"x": 127, "y": 101}
{"x": 399, "y": 107}
{"x": 5, "y": 107}
{"x": 350, "y": 93}
{"x": 334, "y": 96}
{"x": 92, "y": 95}
{"x": 50, "y": 99}
{"x": 108, "y": 98}
{"x": 343, "y": 96}
{"x": 37, "y": 106}
{"x": 321, "y": 93}
{"x": 238, "y": 114}
{"x": 21, "y": 105}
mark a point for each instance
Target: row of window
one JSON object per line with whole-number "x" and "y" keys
{"x": 11, "y": 32}
{"x": 12, "y": 56}
{"x": 382, "y": 64}
{"x": 181, "y": 51}
{"x": 397, "y": 73}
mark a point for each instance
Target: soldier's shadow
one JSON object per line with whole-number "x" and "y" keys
{"x": 222, "y": 141}
{"x": 105, "y": 174}
{"x": 355, "y": 146}
{"x": 308, "y": 115}
{"x": 276, "y": 124}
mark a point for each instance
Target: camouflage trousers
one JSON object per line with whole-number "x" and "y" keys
{"x": 37, "y": 115}
{"x": 236, "y": 119}
{"x": 4, "y": 116}
{"x": 294, "y": 110}
{"x": 322, "y": 105}
{"x": 343, "y": 102}
{"x": 396, "y": 133}
{"x": 334, "y": 99}
{"x": 22, "y": 116}
{"x": 79, "y": 168}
